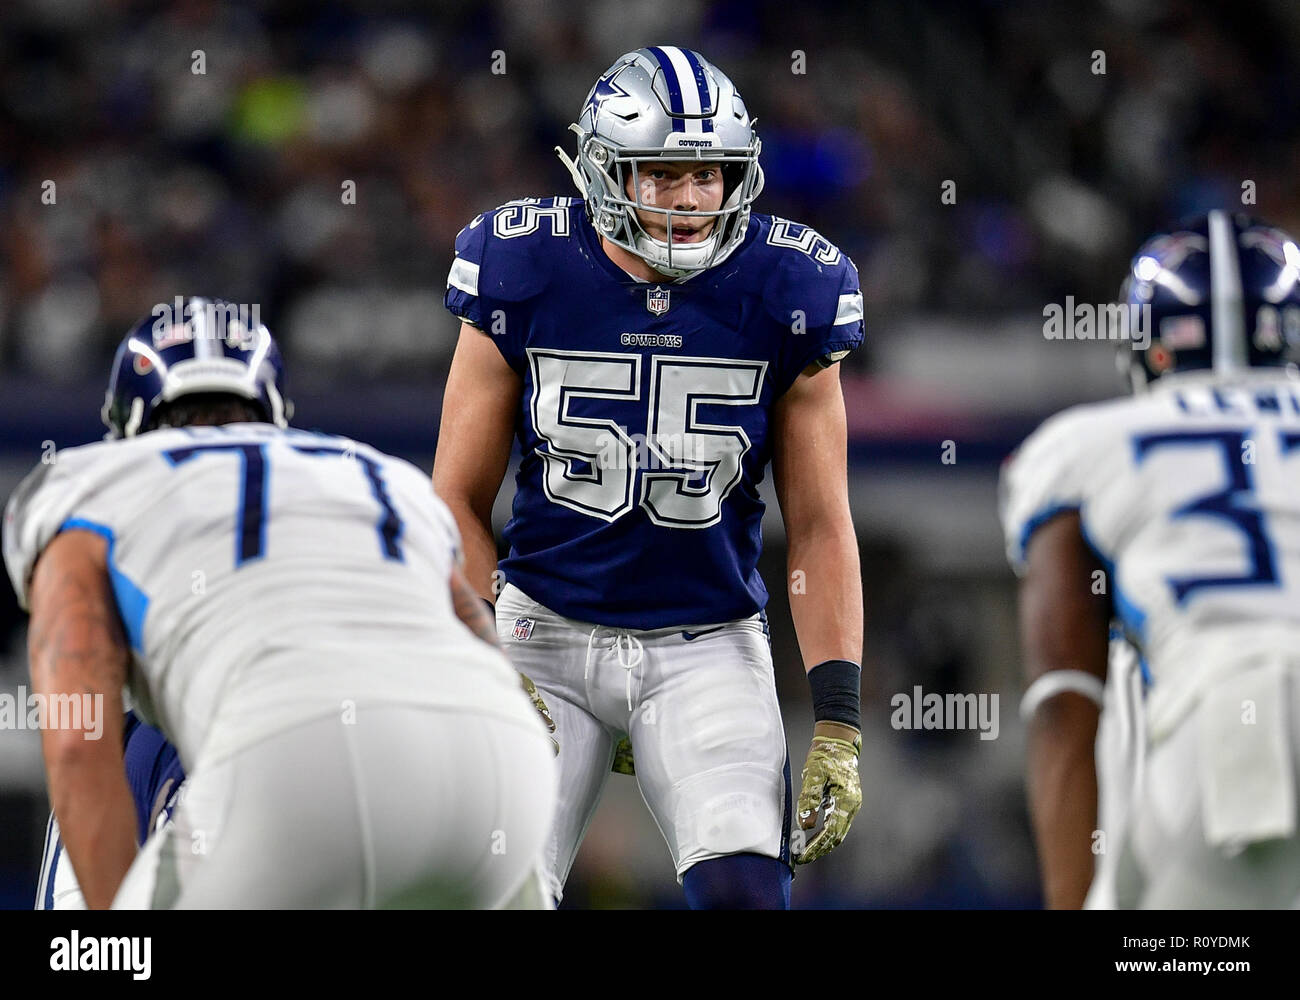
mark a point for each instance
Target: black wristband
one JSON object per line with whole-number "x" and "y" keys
{"x": 835, "y": 685}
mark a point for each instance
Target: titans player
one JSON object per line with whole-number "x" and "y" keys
{"x": 323, "y": 699}
{"x": 1178, "y": 511}
{"x": 653, "y": 345}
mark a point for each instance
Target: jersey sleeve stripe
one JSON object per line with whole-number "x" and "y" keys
{"x": 463, "y": 275}
{"x": 1035, "y": 522}
{"x": 849, "y": 309}
{"x": 132, "y": 602}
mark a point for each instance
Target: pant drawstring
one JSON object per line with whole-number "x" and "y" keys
{"x": 635, "y": 654}
{"x": 586, "y": 667}
{"x": 630, "y": 655}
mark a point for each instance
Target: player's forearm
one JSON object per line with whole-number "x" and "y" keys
{"x": 1062, "y": 778}
{"x": 96, "y": 814}
{"x": 471, "y": 610}
{"x": 825, "y": 586}
{"x": 480, "y": 548}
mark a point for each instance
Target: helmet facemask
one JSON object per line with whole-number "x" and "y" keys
{"x": 614, "y": 213}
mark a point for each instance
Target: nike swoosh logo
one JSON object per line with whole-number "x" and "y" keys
{"x": 692, "y": 636}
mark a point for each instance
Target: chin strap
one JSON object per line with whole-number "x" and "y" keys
{"x": 281, "y": 408}
{"x": 135, "y": 419}
{"x": 571, "y": 166}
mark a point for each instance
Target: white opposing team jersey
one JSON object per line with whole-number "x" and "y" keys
{"x": 265, "y": 577}
{"x": 1190, "y": 495}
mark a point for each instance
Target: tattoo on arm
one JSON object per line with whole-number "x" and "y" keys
{"x": 470, "y": 609}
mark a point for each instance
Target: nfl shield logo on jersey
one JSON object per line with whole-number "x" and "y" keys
{"x": 656, "y": 300}
{"x": 524, "y": 628}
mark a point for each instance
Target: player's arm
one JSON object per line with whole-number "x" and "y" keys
{"x": 810, "y": 473}
{"x": 1064, "y": 626}
{"x": 471, "y": 610}
{"x": 76, "y": 647}
{"x": 474, "y": 438}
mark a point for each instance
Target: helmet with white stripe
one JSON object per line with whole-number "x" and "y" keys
{"x": 668, "y": 104}
{"x": 192, "y": 346}
{"x": 1220, "y": 293}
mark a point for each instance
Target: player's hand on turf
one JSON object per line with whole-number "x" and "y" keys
{"x": 830, "y": 782}
{"x": 623, "y": 763}
{"x": 530, "y": 689}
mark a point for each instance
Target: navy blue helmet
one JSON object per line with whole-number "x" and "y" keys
{"x": 194, "y": 345}
{"x": 1224, "y": 295}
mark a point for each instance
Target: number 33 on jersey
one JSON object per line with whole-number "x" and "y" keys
{"x": 645, "y": 409}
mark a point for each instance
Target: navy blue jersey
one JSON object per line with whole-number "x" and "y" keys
{"x": 645, "y": 415}
{"x": 153, "y": 772}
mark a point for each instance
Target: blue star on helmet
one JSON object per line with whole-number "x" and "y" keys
{"x": 606, "y": 87}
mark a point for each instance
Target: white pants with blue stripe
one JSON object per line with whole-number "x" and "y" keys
{"x": 699, "y": 703}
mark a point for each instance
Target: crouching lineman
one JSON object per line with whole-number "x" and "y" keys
{"x": 1185, "y": 502}
{"x": 288, "y": 609}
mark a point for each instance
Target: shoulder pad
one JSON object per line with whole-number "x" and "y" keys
{"x": 1050, "y": 471}
{"x": 505, "y": 254}
{"x": 38, "y": 507}
{"x": 809, "y": 277}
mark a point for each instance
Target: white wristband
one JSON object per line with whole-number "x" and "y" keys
{"x": 1055, "y": 682}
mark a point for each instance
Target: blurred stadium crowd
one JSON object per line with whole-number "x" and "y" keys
{"x": 1070, "y": 130}
{"x": 230, "y": 179}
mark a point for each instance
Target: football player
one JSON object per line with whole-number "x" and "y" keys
{"x": 653, "y": 345}
{"x": 288, "y": 608}
{"x": 1179, "y": 511}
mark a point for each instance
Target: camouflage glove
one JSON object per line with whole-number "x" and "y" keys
{"x": 530, "y": 689}
{"x": 623, "y": 763}
{"x": 830, "y": 781}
